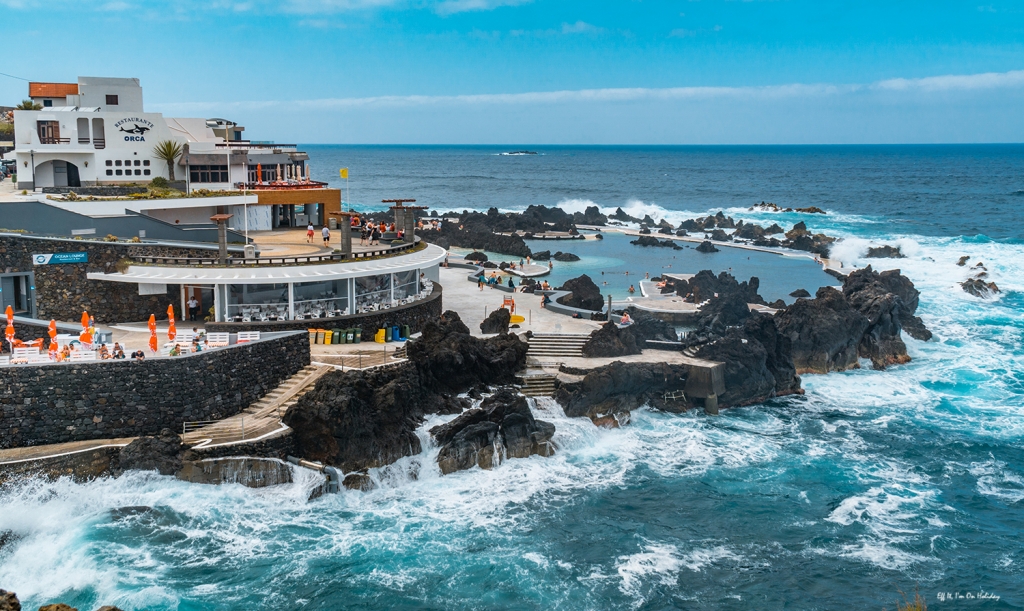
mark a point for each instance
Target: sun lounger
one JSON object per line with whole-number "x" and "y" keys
{"x": 83, "y": 355}
{"x": 20, "y": 355}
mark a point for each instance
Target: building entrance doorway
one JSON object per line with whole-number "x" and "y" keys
{"x": 16, "y": 291}
{"x": 202, "y": 294}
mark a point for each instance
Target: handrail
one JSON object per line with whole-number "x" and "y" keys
{"x": 48, "y": 140}
{"x": 277, "y": 261}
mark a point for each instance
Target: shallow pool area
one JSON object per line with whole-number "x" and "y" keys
{"x": 615, "y": 265}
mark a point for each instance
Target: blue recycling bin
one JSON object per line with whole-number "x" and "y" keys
{"x": 396, "y": 333}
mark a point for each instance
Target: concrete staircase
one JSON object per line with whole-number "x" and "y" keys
{"x": 691, "y": 351}
{"x": 538, "y": 385}
{"x": 551, "y": 346}
{"x": 260, "y": 418}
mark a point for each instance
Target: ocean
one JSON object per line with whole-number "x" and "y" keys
{"x": 872, "y": 484}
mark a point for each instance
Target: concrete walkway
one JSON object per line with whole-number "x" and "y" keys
{"x": 16, "y": 455}
{"x": 473, "y": 305}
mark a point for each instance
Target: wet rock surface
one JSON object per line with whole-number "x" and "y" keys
{"x": 885, "y": 252}
{"x": 9, "y": 601}
{"x": 616, "y": 389}
{"x": 502, "y": 427}
{"x": 979, "y": 288}
{"x": 161, "y": 453}
{"x": 358, "y": 420}
{"x": 706, "y": 247}
{"x": 565, "y": 256}
{"x": 611, "y": 341}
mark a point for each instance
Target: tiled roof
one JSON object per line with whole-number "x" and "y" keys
{"x": 52, "y": 90}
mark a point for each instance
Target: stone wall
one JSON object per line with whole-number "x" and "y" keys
{"x": 63, "y": 291}
{"x": 415, "y": 314}
{"x": 65, "y": 402}
{"x": 101, "y": 191}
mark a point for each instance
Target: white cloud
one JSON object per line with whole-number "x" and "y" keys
{"x": 580, "y": 27}
{"x": 955, "y": 82}
{"x": 970, "y": 82}
{"x": 448, "y": 7}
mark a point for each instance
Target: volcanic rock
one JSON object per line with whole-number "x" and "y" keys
{"x": 749, "y": 231}
{"x": 476, "y": 256}
{"x": 885, "y": 252}
{"x": 706, "y": 247}
{"x": 496, "y": 322}
{"x": 800, "y": 293}
{"x": 503, "y": 421}
{"x": 720, "y": 236}
{"x": 590, "y": 216}
{"x": 161, "y": 453}
{"x": 610, "y": 341}
{"x": 357, "y": 420}
{"x": 618, "y": 388}
{"x": 881, "y": 341}
{"x": 57, "y": 607}
{"x": 543, "y": 255}
{"x": 810, "y": 210}
{"x": 584, "y": 294}
{"x": 565, "y": 256}
{"x": 9, "y": 601}
{"x": 963, "y": 260}
{"x": 979, "y": 288}
{"x": 620, "y": 215}
{"x": 824, "y": 333}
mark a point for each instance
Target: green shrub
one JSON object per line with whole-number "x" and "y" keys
{"x": 159, "y": 182}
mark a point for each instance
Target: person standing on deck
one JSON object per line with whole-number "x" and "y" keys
{"x": 326, "y": 232}
{"x": 193, "y": 308}
{"x": 309, "y": 234}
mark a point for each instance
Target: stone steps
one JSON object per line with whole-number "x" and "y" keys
{"x": 557, "y": 345}
{"x": 538, "y": 386}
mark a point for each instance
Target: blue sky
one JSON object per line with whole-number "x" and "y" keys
{"x": 544, "y": 71}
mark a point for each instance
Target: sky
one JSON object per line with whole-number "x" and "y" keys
{"x": 547, "y": 71}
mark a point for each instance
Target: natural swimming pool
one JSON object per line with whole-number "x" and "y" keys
{"x": 607, "y": 262}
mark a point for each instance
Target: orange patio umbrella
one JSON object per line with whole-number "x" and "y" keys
{"x": 259, "y": 173}
{"x": 9, "y": 331}
{"x": 170, "y": 319}
{"x": 85, "y": 336}
{"x": 152, "y": 332}
{"x": 52, "y": 332}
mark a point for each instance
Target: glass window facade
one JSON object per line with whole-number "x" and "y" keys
{"x": 406, "y": 285}
{"x": 257, "y": 302}
{"x": 373, "y": 292}
{"x": 321, "y": 299}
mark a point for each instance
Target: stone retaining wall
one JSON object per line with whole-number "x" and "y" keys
{"x": 105, "y": 191}
{"x": 415, "y": 314}
{"x": 63, "y": 291}
{"x": 65, "y": 402}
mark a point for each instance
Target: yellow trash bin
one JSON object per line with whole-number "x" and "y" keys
{"x": 320, "y": 336}
{"x": 379, "y": 337}
{"x": 327, "y": 336}
{"x": 312, "y": 336}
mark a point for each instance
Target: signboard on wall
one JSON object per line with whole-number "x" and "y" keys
{"x": 60, "y": 258}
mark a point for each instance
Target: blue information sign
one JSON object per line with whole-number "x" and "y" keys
{"x": 58, "y": 258}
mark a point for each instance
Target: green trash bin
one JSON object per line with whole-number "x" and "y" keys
{"x": 350, "y": 336}
{"x": 405, "y": 332}
{"x": 336, "y": 338}
{"x": 357, "y": 333}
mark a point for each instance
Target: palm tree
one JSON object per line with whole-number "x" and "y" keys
{"x": 168, "y": 150}
{"x": 28, "y": 105}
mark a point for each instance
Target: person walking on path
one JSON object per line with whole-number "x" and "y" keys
{"x": 480, "y": 281}
{"x": 193, "y": 308}
{"x": 326, "y": 232}
{"x": 309, "y": 234}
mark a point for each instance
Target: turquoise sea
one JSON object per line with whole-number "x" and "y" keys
{"x": 872, "y": 484}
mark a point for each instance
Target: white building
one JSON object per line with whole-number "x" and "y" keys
{"x": 96, "y": 132}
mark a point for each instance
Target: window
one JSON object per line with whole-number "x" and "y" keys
{"x": 110, "y": 172}
{"x": 146, "y": 163}
{"x": 109, "y": 162}
{"x": 137, "y": 162}
{"x": 47, "y": 103}
{"x": 117, "y": 163}
{"x": 111, "y": 100}
{"x": 138, "y": 172}
{"x": 119, "y": 172}
{"x": 146, "y": 172}
{"x": 208, "y": 173}
{"x": 127, "y": 161}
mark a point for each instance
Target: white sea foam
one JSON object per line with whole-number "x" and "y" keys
{"x": 658, "y": 561}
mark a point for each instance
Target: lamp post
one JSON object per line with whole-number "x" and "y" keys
{"x": 32, "y": 155}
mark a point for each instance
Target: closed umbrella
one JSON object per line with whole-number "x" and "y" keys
{"x": 170, "y": 319}
{"x": 152, "y": 332}
{"x": 259, "y": 173}
{"x": 9, "y": 331}
{"x": 52, "y": 332}
{"x": 85, "y": 336}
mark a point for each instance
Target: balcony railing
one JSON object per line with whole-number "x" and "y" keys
{"x": 276, "y": 261}
{"x": 84, "y": 140}
{"x": 280, "y": 185}
{"x": 99, "y": 143}
{"x": 51, "y": 140}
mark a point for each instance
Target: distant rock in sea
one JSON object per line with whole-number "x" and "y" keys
{"x": 885, "y": 252}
